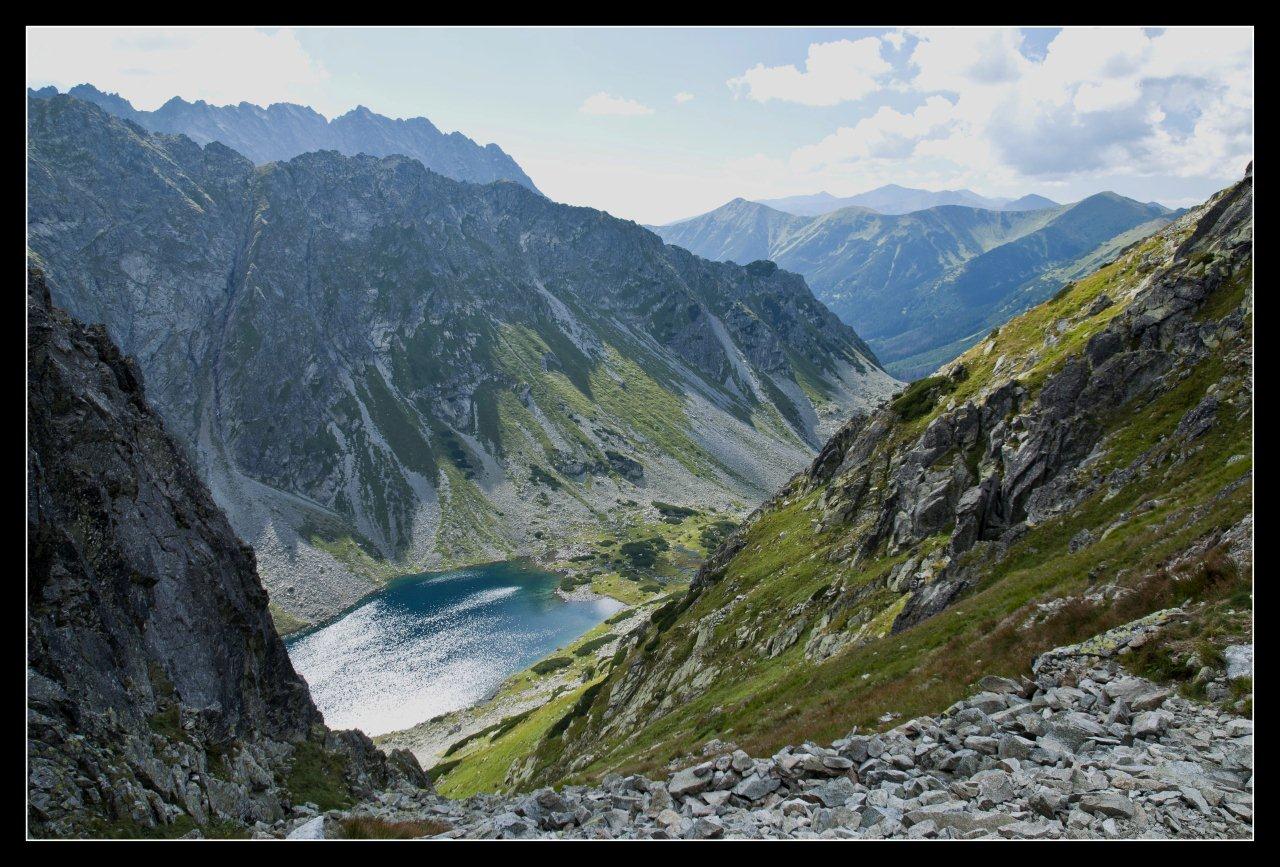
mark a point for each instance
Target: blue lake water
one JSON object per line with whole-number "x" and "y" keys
{"x": 428, "y": 644}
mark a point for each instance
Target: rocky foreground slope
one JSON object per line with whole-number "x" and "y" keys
{"x": 1080, "y": 750}
{"x": 381, "y": 370}
{"x": 159, "y": 697}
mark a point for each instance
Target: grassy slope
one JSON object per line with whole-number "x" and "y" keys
{"x": 764, "y": 703}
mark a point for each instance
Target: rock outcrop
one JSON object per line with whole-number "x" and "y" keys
{"x": 159, "y": 694}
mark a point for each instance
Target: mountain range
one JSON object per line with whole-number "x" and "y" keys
{"x": 284, "y": 130}
{"x": 1085, "y": 476}
{"x": 893, "y": 199}
{"x": 381, "y": 370}
{"x": 924, "y": 286}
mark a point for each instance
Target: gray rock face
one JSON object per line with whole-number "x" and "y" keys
{"x": 373, "y": 362}
{"x": 158, "y": 686}
{"x": 283, "y": 130}
{"x": 1239, "y": 660}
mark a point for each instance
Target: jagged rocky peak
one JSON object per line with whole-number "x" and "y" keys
{"x": 160, "y": 695}
{"x": 281, "y": 131}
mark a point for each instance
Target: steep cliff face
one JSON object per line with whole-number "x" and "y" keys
{"x": 158, "y": 689}
{"x": 283, "y": 130}
{"x": 382, "y": 370}
{"x": 1086, "y": 465}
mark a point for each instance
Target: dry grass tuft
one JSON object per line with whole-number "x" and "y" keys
{"x": 370, "y": 828}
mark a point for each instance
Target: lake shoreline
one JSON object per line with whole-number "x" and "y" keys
{"x": 438, "y": 741}
{"x": 436, "y": 642}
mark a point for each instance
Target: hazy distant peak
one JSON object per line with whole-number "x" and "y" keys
{"x": 283, "y": 130}
{"x": 897, "y": 199}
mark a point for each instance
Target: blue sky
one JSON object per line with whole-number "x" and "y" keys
{"x": 594, "y": 117}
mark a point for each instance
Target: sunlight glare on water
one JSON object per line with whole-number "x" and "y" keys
{"x": 430, "y": 644}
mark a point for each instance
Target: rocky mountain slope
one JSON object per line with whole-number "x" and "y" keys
{"x": 160, "y": 698}
{"x": 894, "y": 199}
{"x": 923, "y": 287}
{"x": 381, "y": 370}
{"x": 284, "y": 130}
{"x": 1086, "y": 465}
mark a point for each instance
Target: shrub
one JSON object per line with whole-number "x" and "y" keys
{"x": 644, "y": 553}
{"x": 679, "y": 513}
{"x": 554, "y": 663}
{"x": 594, "y": 644}
{"x": 920, "y": 396}
{"x": 713, "y": 534}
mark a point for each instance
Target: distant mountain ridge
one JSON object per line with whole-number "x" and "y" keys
{"x": 894, "y": 199}
{"x": 922, "y": 287}
{"x": 282, "y": 131}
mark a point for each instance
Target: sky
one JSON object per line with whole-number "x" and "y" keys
{"x": 660, "y": 124}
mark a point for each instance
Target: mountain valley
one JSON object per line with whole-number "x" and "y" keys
{"x": 1087, "y": 466}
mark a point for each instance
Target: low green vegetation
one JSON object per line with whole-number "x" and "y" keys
{"x": 285, "y": 622}
{"x": 1180, "y": 652}
{"x": 181, "y": 826}
{"x": 710, "y": 536}
{"x": 673, "y": 514}
{"x": 550, "y": 664}
{"x": 167, "y": 723}
{"x": 588, "y": 647}
{"x": 318, "y": 776}
{"x": 921, "y": 396}
{"x": 641, "y": 554}
{"x": 485, "y": 765}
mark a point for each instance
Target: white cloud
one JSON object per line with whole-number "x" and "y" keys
{"x": 834, "y": 72}
{"x": 606, "y": 104}
{"x": 149, "y": 66}
{"x": 885, "y": 134}
{"x": 1099, "y": 104}
{"x": 959, "y": 58}
{"x": 683, "y": 96}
